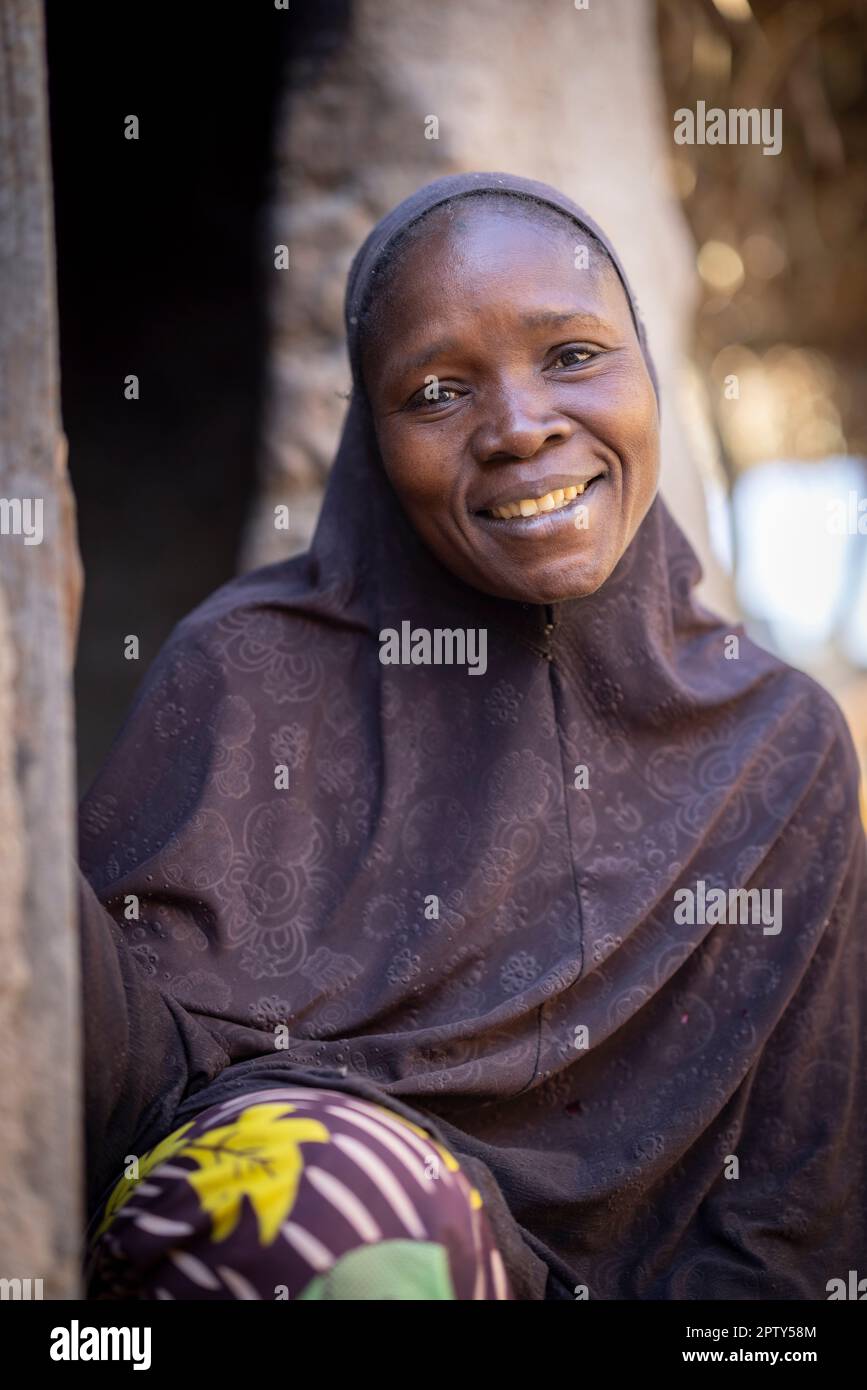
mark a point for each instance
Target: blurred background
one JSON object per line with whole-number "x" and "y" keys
{"x": 261, "y": 127}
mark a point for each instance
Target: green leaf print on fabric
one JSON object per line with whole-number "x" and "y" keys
{"x": 389, "y": 1270}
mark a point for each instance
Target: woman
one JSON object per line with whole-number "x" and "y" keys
{"x": 428, "y": 827}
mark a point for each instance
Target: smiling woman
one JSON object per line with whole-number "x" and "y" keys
{"x": 458, "y": 903}
{"x": 506, "y": 377}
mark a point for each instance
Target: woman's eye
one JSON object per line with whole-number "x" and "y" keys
{"x": 432, "y": 396}
{"x": 575, "y": 356}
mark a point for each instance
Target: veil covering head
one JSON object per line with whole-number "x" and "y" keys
{"x": 445, "y": 916}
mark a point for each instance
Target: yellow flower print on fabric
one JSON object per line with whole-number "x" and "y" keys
{"x": 257, "y": 1156}
{"x": 169, "y": 1147}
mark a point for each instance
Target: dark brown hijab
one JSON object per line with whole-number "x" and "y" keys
{"x": 594, "y": 1062}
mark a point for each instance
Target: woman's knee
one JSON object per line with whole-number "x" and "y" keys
{"x": 302, "y": 1193}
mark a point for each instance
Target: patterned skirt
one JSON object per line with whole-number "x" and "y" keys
{"x": 295, "y": 1193}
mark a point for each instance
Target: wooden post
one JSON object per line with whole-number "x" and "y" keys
{"x": 40, "y": 1090}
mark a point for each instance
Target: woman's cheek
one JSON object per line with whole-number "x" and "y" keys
{"x": 420, "y": 468}
{"x": 629, "y": 428}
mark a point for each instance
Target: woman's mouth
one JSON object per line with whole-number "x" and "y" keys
{"x": 528, "y": 509}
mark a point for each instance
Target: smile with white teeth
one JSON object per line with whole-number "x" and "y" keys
{"x": 531, "y": 506}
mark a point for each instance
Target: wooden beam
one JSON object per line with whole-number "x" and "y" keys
{"x": 40, "y": 1090}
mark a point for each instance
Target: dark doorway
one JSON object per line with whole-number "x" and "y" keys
{"x": 159, "y": 275}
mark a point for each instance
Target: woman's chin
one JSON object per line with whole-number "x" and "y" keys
{"x": 573, "y": 578}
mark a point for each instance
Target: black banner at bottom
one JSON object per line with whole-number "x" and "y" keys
{"x": 62, "y": 1338}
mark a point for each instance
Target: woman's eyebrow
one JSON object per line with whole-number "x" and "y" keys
{"x": 542, "y": 318}
{"x": 555, "y": 318}
{"x": 440, "y": 348}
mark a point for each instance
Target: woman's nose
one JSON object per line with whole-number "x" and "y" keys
{"x": 517, "y": 425}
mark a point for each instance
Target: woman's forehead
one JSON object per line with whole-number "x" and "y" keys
{"x": 481, "y": 231}
{"x": 515, "y": 266}
{"x": 527, "y": 275}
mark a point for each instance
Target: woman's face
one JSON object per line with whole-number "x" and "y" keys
{"x": 505, "y": 380}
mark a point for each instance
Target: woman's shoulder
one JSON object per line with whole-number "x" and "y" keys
{"x": 806, "y": 718}
{"x": 275, "y": 636}
{"x": 247, "y": 648}
{"x": 277, "y": 605}
{"x": 283, "y": 586}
